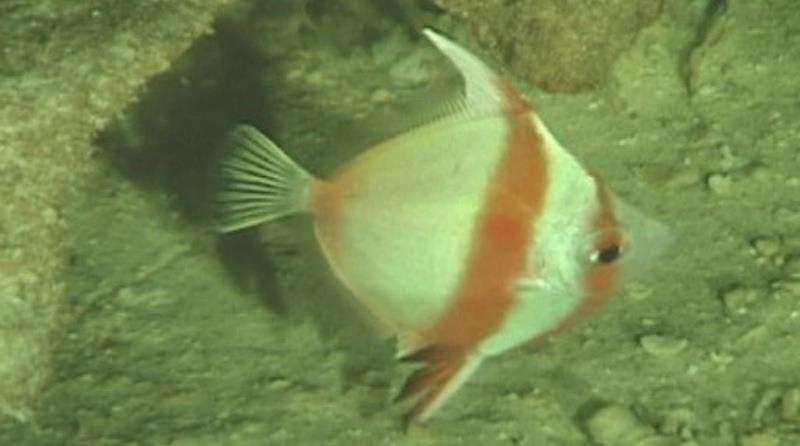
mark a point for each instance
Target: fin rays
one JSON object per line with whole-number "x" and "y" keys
{"x": 445, "y": 370}
{"x": 259, "y": 182}
{"x": 482, "y": 87}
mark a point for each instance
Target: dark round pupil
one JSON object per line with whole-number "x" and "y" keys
{"x": 609, "y": 254}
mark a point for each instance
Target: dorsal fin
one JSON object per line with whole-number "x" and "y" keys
{"x": 484, "y": 91}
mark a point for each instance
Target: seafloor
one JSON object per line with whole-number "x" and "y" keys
{"x": 177, "y": 336}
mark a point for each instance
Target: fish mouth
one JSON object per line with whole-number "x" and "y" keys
{"x": 649, "y": 240}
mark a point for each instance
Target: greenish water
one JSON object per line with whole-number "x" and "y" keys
{"x": 179, "y": 336}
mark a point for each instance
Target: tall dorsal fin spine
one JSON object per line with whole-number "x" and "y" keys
{"x": 484, "y": 90}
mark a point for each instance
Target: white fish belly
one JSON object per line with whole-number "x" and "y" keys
{"x": 405, "y": 227}
{"x": 557, "y": 260}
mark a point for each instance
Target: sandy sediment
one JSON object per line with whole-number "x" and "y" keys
{"x": 66, "y": 69}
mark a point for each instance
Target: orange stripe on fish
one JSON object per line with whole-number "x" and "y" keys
{"x": 603, "y": 275}
{"x": 609, "y": 244}
{"x": 497, "y": 261}
{"x": 501, "y": 243}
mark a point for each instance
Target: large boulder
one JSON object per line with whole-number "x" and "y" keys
{"x": 559, "y": 45}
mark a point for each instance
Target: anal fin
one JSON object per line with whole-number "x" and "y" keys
{"x": 444, "y": 371}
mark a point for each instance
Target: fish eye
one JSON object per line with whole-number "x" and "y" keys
{"x": 607, "y": 255}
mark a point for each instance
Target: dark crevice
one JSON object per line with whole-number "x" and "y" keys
{"x": 714, "y": 10}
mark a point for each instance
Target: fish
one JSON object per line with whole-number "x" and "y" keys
{"x": 463, "y": 237}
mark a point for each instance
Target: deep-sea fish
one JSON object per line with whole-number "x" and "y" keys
{"x": 463, "y": 237}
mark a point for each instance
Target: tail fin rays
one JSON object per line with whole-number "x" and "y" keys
{"x": 260, "y": 182}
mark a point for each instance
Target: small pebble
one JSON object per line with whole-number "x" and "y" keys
{"x": 316, "y": 78}
{"x": 760, "y": 172}
{"x": 295, "y": 75}
{"x": 792, "y": 242}
{"x": 788, "y": 215}
{"x": 617, "y": 425}
{"x": 381, "y": 95}
{"x": 668, "y": 176}
{"x": 760, "y": 439}
{"x": 50, "y": 215}
{"x": 766, "y": 403}
{"x": 786, "y": 287}
{"x": 790, "y": 405}
{"x": 737, "y": 299}
{"x": 683, "y": 179}
{"x": 767, "y": 246}
{"x": 707, "y": 90}
{"x": 678, "y": 423}
{"x": 658, "y": 345}
{"x": 637, "y": 291}
{"x": 720, "y": 184}
{"x": 792, "y": 266}
{"x": 279, "y": 384}
{"x": 752, "y": 336}
{"x": 720, "y": 359}
{"x": 410, "y": 69}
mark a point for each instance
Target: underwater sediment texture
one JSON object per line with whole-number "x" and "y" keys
{"x": 559, "y": 45}
{"x": 697, "y": 126}
{"x": 66, "y": 69}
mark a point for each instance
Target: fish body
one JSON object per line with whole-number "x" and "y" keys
{"x": 463, "y": 237}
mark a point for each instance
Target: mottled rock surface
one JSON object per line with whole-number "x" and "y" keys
{"x": 66, "y": 68}
{"x": 559, "y": 45}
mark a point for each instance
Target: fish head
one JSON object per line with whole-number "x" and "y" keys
{"x": 623, "y": 243}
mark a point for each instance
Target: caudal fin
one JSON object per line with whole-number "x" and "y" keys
{"x": 260, "y": 183}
